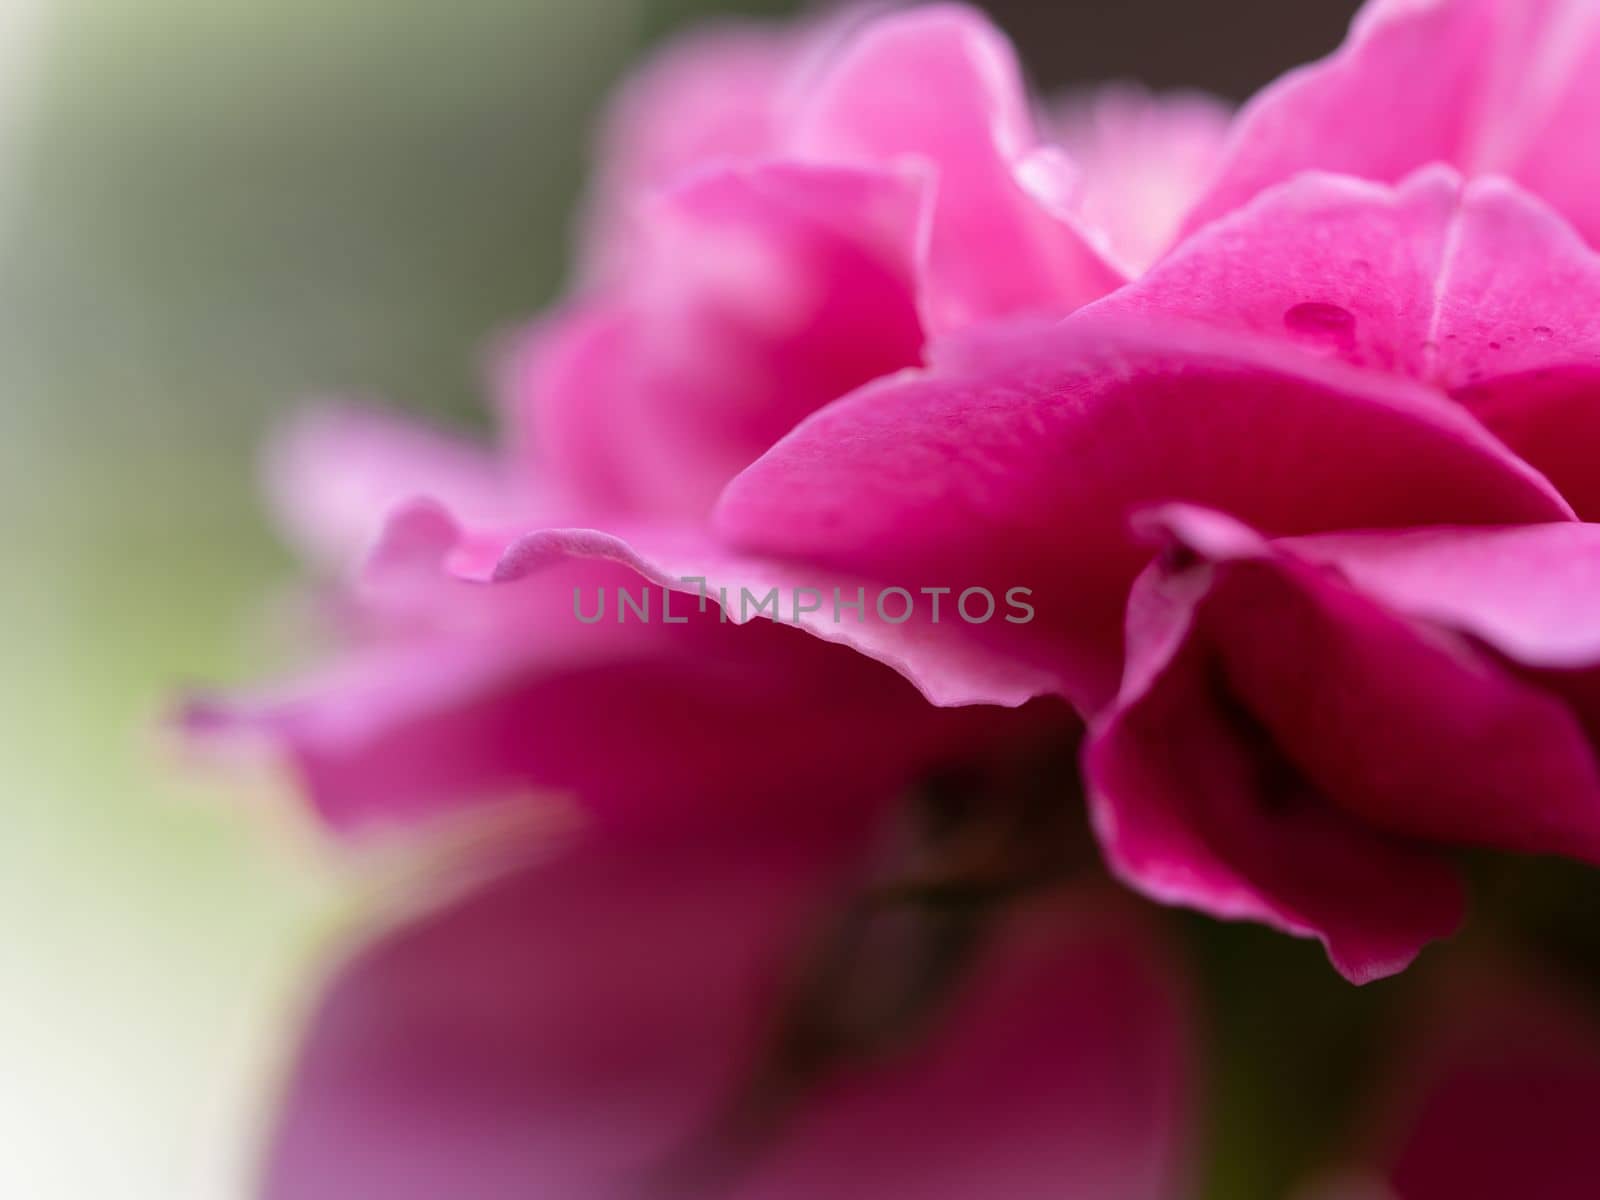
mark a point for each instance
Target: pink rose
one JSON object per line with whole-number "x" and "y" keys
{"x": 1282, "y": 429}
{"x": 1403, "y": 351}
{"x": 597, "y": 1020}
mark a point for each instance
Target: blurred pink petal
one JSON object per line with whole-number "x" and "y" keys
{"x": 1491, "y": 1094}
{"x": 1141, "y": 161}
{"x": 756, "y": 295}
{"x": 715, "y": 96}
{"x": 480, "y": 683}
{"x": 933, "y": 92}
{"x": 336, "y": 470}
{"x": 1019, "y": 461}
{"x": 939, "y": 86}
{"x": 1073, "y": 1035}
{"x": 592, "y": 1027}
{"x": 566, "y": 1031}
{"x": 1505, "y": 1107}
{"x": 1509, "y": 87}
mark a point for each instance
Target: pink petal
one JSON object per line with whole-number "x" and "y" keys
{"x": 1478, "y": 288}
{"x": 1278, "y": 731}
{"x": 1189, "y": 814}
{"x": 479, "y": 683}
{"x": 1142, "y": 160}
{"x": 950, "y": 661}
{"x": 1506, "y": 1106}
{"x": 1492, "y": 1095}
{"x": 1403, "y": 734}
{"x": 1061, "y": 1071}
{"x": 567, "y": 1031}
{"x": 756, "y": 295}
{"x": 713, "y": 97}
{"x": 1528, "y": 591}
{"x": 940, "y": 86}
{"x": 581, "y": 1029}
{"x": 1016, "y": 463}
{"x": 1491, "y": 86}
{"x": 574, "y": 354}
{"x": 337, "y": 472}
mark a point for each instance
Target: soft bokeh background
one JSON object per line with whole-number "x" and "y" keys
{"x": 210, "y": 209}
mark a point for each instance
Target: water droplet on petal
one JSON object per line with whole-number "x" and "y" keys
{"x": 1325, "y": 325}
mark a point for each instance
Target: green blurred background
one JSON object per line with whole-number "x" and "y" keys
{"x": 210, "y": 210}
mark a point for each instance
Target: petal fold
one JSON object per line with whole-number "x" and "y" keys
{"x": 1287, "y": 748}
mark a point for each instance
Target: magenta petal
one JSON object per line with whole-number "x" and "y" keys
{"x": 1400, "y": 721}
{"x": 1191, "y": 812}
{"x": 337, "y": 472}
{"x": 488, "y": 687}
{"x": 713, "y": 97}
{"x": 940, "y": 86}
{"x": 565, "y": 1032}
{"x": 1523, "y": 346}
{"x": 756, "y": 295}
{"x": 1502, "y": 1101}
{"x": 586, "y": 1026}
{"x": 1279, "y": 731}
{"x": 1509, "y": 87}
{"x": 1448, "y": 282}
{"x": 1141, "y": 161}
{"x": 1060, "y": 1071}
{"x": 1345, "y": 269}
{"x": 1478, "y": 288}
{"x": 950, "y": 662}
{"x": 580, "y": 352}
{"x": 1528, "y": 591}
{"x": 1021, "y": 467}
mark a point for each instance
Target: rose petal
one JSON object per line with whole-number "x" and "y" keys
{"x": 1059, "y": 1072}
{"x": 1478, "y": 288}
{"x": 1406, "y": 724}
{"x": 336, "y": 472}
{"x": 941, "y": 86}
{"x": 1499, "y": 1104}
{"x": 1019, "y": 469}
{"x": 1190, "y": 812}
{"x": 1528, "y": 591}
{"x": 581, "y": 1027}
{"x": 567, "y": 1031}
{"x": 1492, "y": 86}
{"x": 1142, "y": 160}
{"x": 757, "y": 294}
{"x": 508, "y": 668}
{"x": 1278, "y": 730}
{"x": 712, "y": 97}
